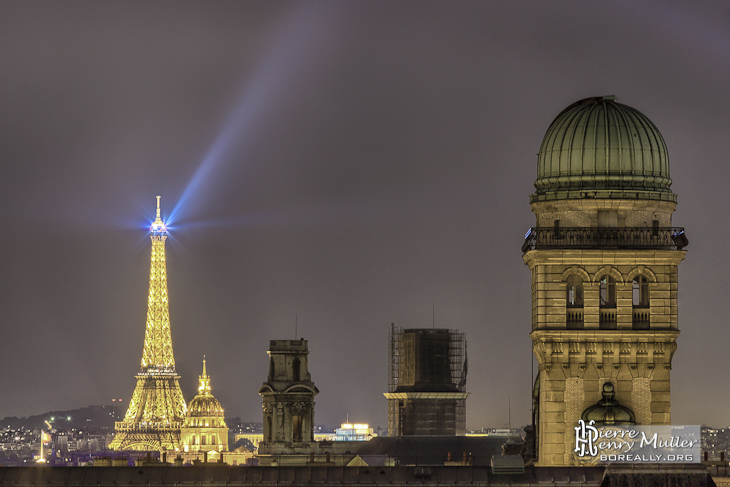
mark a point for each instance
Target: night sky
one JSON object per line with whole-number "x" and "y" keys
{"x": 352, "y": 164}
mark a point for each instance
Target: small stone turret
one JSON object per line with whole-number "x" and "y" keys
{"x": 288, "y": 399}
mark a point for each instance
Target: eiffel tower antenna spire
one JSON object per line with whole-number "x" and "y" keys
{"x": 157, "y": 408}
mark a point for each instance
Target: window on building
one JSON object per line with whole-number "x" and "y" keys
{"x": 574, "y": 295}
{"x": 640, "y": 300}
{"x": 608, "y": 292}
{"x": 574, "y": 303}
{"x": 641, "y": 292}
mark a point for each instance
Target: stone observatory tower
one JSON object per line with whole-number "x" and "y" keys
{"x": 604, "y": 260}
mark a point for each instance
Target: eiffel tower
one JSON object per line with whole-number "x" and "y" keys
{"x": 157, "y": 408}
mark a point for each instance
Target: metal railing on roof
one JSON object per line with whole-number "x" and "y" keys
{"x": 668, "y": 238}
{"x": 146, "y": 426}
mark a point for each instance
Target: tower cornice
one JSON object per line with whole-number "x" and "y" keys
{"x": 561, "y": 347}
{"x": 601, "y": 256}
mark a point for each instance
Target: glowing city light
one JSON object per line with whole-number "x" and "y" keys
{"x": 158, "y": 227}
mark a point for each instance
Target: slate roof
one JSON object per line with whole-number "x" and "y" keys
{"x": 237, "y": 476}
{"x": 434, "y": 450}
{"x": 230, "y": 476}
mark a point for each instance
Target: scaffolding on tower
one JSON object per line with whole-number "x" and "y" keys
{"x": 427, "y": 366}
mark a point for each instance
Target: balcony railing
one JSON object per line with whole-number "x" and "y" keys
{"x": 641, "y": 318}
{"x": 607, "y": 319}
{"x": 574, "y": 318}
{"x": 671, "y": 238}
{"x": 124, "y": 426}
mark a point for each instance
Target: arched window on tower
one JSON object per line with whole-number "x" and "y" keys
{"x": 607, "y": 293}
{"x": 640, "y": 300}
{"x": 574, "y": 302}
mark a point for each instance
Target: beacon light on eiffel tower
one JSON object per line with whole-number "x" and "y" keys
{"x": 157, "y": 408}
{"x": 158, "y": 227}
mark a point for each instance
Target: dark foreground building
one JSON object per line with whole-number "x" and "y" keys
{"x": 214, "y": 475}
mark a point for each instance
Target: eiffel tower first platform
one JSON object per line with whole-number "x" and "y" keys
{"x": 157, "y": 408}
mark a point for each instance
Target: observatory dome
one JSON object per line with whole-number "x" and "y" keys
{"x": 598, "y": 148}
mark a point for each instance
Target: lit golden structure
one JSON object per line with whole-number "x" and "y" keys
{"x": 157, "y": 408}
{"x": 204, "y": 428}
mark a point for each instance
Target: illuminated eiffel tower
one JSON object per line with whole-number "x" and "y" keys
{"x": 157, "y": 408}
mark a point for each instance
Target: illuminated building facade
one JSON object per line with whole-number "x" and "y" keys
{"x": 204, "y": 428}
{"x": 604, "y": 264}
{"x": 354, "y": 432}
{"x": 427, "y": 387}
{"x": 157, "y": 408}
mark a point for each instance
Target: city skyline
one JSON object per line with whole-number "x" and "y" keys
{"x": 333, "y": 168}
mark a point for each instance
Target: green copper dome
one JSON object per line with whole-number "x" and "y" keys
{"x": 598, "y": 148}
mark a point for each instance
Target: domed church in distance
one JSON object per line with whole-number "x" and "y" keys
{"x": 604, "y": 260}
{"x": 204, "y": 429}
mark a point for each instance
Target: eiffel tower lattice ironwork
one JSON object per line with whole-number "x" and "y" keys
{"x": 157, "y": 408}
